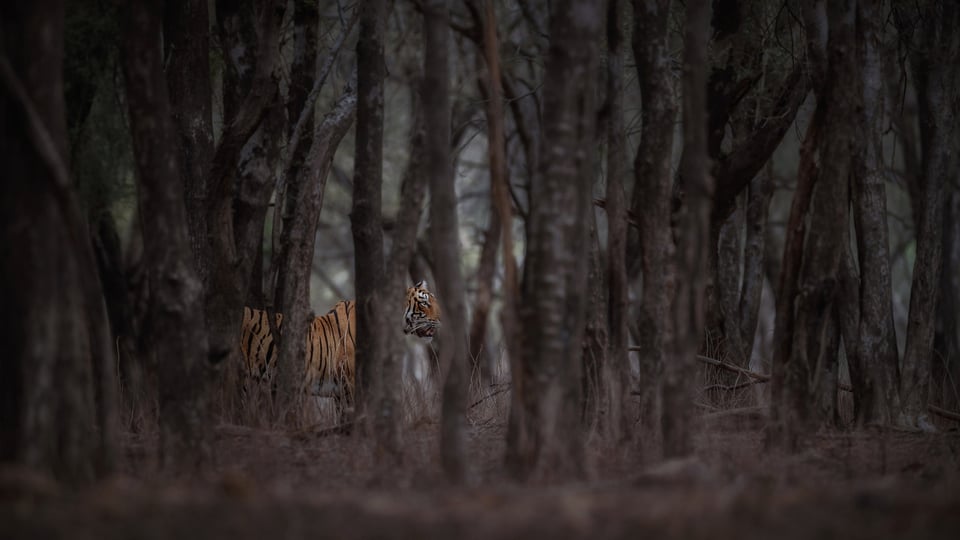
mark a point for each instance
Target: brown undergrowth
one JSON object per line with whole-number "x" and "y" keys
{"x": 306, "y": 482}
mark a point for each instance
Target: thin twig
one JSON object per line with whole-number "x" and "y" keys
{"x": 760, "y": 378}
{"x": 490, "y": 395}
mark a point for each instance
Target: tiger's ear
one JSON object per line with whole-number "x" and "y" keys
{"x": 422, "y": 284}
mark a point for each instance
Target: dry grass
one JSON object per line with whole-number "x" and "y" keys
{"x": 304, "y": 482}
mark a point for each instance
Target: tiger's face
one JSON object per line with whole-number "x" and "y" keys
{"x": 422, "y": 314}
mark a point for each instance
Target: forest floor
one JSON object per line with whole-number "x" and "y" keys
{"x": 269, "y": 483}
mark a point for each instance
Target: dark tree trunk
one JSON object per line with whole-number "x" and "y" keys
{"x": 365, "y": 216}
{"x": 809, "y": 391}
{"x": 693, "y": 232}
{"x": 186, "y": 38}
{"x": 948, "y": 369}
{"x": 758, "y": 204}
{"x": 617, "y": 367}
{"x": 57, "y": 409}
{"x": 875, "y": 359}
{"x": 555, "y": 270}
{"x": 653, "y": 186}
{"x": 807, "y": 172}
{"x": 517, "y": 433}
{"x": 595, "y": 327}
{"x": 176, "y": 330}
{"x": 444, "y": 233}
{"x": 230, "y": 264}
{"x": 937, "y": 86}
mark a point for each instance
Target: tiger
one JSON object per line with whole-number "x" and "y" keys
{"x": 331, "y": 343}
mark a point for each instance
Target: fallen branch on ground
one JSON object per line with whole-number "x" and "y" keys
{"x": 762, "y": 378}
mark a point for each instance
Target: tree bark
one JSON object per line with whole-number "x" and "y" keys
{"x": 937, "y": 86}
{"x": 693, "y": 232}
{"x": 175, "y": 322}
{"x": 618, "y": 292}
{"x": 653, "y": 186}
{"x": 876, "y": 388}
{"x": 365, "y": 216}
{"x": 444, "y": 235}
{"x": 58, "y": 401}
{"x": 298, "y": 254}
{"x": 809, "y": 393}
{"x": 186, "y": 31}
{"x": 555, "y": 270}
{"x": 413, "y": 190}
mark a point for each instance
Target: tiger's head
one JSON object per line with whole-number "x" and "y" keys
{"x": 422, "y": 314}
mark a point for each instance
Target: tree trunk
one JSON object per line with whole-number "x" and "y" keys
{"x": 653, "y": 184}
{"x": 444, "y": 233}
{"x": 365, "y": 216}
{"x": 413, "y": 190}
{"x": 228, "y": 273}
{"x": 758, "y": 205}
{"x": 516, "y": 438}
{"x": 176, "y": 328}
{"x": 693, "y": 231}
{"x": 186, "y": 38}
{"x": 555, "y": 270}
{"x": 618, "y": 293}
{"x": 58, "y": 403}
{"x": 937, "y": 86}
{"x": 877, "y": 347}
{"x": 808, "y": 398}
{"x": 298, "y": 257}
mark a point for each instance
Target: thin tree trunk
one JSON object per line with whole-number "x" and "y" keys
{"x": 413, "y": 190}
{"x": 693, "y": 230}
{"x": 651, "y": 203}
{"x": 365, "y": 216}
{"x": 516, "y": 437}
{"x": 809, "y": 393}
{"x": 444, "y": 233}
{"x": 758, "y": 205}
{"x": 937, "y": 86}
{"x": 618, "y": 292}
{"x": 555, "y": 270}
{"x": 176, "y": 326}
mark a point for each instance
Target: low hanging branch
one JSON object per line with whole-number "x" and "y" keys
{"x": 760, "y": 378}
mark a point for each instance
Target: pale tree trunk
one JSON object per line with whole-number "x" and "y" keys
{"x": 298, "y": 256}
{"x": 444, "y": 236}
{"x": 617, "y": 367}
{"x": 365, "y": 216}
{"x": 176, "y": 327}
{"x": 875, "y": 360}
{"x": 653, "y": 185}
{"x": 555, "y": 270}
{"x": 58, "y": 402}
{"x": 937, "y": 86}
{"x": 693, "y": 231}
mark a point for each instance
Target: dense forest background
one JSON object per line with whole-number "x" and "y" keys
{"x": 666, "y": 238}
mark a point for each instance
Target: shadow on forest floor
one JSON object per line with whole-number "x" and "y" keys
{"x": 270, "y": 483}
